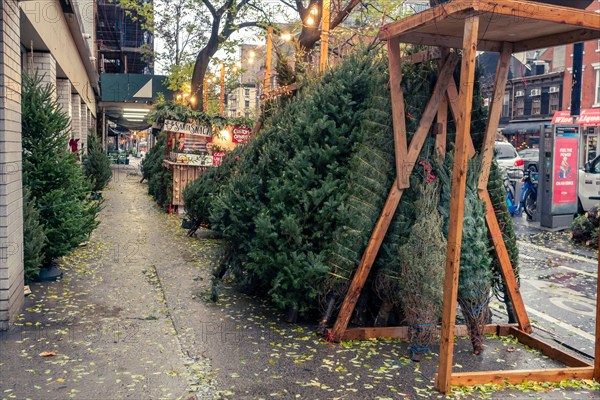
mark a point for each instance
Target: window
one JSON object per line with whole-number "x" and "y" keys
{"x": 246, "y": 92}
{"x": 505, "y": 105}
{"x": 247, "y": 103}
{"x": 554, "y": 102}
{"x": 519, "y": 106}
{"x": 536, "y": 105}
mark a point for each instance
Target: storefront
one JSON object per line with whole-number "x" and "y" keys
{"x": 524, "y": 134}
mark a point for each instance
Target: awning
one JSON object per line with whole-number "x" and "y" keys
{"x": 523, "y": 127}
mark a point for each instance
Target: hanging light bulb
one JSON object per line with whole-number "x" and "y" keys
{"x": 310, "y": 20}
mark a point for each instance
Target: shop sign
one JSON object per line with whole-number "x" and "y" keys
{"x": 241, "y": 134}
{"x": 217, "y": 158}
{"x": 562, "y": 118}
{"x": 589, "y": 117}
{"x": 187, "y": 128}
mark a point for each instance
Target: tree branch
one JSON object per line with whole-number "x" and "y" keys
{"x": 343, "y": 14}
{"x": 210, "y": 7}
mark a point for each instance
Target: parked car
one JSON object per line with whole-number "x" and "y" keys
{"x": 508, "y": 159}
{"x": 531, "y": 159}
{"x": 589, "y": 184}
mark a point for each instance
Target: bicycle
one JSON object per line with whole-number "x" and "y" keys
{"x": 528, "y": 199}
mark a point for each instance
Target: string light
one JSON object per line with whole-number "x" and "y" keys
{"x": 310, "y": 20}
{"x": 286, "y": 37}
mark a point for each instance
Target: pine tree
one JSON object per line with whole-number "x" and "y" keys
{"x": 422, "y": 264}
{"x": 96, "y": 163}
{"x": 160, "y": 179}
{"x": 475, "y": 276}
{"x": 51, "y": 172}
{"x": 34, "y": 238}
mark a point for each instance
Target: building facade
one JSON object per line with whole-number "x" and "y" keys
{"x": 53, "y": 38}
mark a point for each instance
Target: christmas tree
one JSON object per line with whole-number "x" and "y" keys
{"x": 96, "y": 163}
{"x": 160, "y": 179}
{"x": 34, "y": 238}
{"x": 475, "y": 277}
{"x": 52, "y": 174}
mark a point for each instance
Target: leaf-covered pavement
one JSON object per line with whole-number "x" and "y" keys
{"x": 132, "y": 318}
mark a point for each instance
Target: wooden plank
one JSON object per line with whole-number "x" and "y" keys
{"x": 597, "y": 344}
{"x": 398, "y": 115}
{"x": 429, "y": 39}
{"x": 423, "y": 56}
{"x": 506, "y": 268}
{"x": 360, "y": 276}
{"x": 519, "y": 376}
{"x": 457, "y": 202}
{"x": 429, "y": 113}
{"x": 495, "y": 110}
{"x": 452, "y": 97}
{"x": 553, "y": 352}
{"x": 520, "y": 12}
{"x": 402, "y": 332}
{"x": 558, "y": 39}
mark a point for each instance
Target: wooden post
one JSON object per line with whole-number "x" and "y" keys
{"x": 325, "y": 36}
{"x": 457, "y": 202}
{"x": 268, "y": 56}
{"x": 360, "y": 276}
{"x": 597, "y": 345}
{"x": 222, "y": 94}
{"x": 398, "y": 116}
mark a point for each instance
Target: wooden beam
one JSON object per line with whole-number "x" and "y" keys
{"x": 580, "y": 35}
{"x": 452, "y": 97}
{"x": 402, "y": 332}
{"x": 430, "y": 39}
{"x": 423, "y": 56}
{"x": 597, "y": 344}
{"x": 457, "y": 202}
{"x": 519, "y": 11}
{"x": 495, "y": 110}
{"x": 553, "y": 352}
{"x": 506, "y": 268}
{"x": 398, "y": 116}
{"x": 429, "y": 113}
{"x": 519, "y": 376}
{"x": 360, "y": 276}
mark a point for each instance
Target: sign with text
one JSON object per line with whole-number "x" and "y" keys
{"x": 240, "y": 134}
{"x": 565, "y": 166}
{"x": 589, "y": 117}
{"x": 562, "y": 118}
{"x": 217, "y": 158}
{"x": 187, "y": 128}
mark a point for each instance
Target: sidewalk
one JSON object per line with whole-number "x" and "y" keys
{"x": 132, "y": 318}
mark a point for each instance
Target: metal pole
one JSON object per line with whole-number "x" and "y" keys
{"x": 576, "y": 78}
{"x": 267, "y": 84}
{"x": 325, "y": 35}
{"x": 222, "y": 94}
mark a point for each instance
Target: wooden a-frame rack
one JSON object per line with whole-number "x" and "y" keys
{"x": 503, "y": 26}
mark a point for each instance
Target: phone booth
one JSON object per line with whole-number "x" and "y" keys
{"x": 559, "y": 163}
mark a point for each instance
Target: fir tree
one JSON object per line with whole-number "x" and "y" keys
{"x": 34, "y": 238}
{"x": 475, "y": 277}
{"x": 53, "y": 175}
{"x": 160, "y": 179}
{"x": 422, "y": 265}
{"x": 96, "y": 163}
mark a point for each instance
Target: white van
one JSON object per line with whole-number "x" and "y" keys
{"x": 589, "y": 185}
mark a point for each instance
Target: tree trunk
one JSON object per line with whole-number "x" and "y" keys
{"x": 306, "y": 42}
{"x": 200, "y": 69}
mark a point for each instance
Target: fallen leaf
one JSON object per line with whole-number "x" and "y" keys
{"x": 47, "y": 353}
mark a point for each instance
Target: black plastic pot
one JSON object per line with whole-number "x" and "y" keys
{"x": 50, "y": 274}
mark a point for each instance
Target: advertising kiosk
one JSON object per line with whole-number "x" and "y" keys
{"x": 559, "y": 163}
